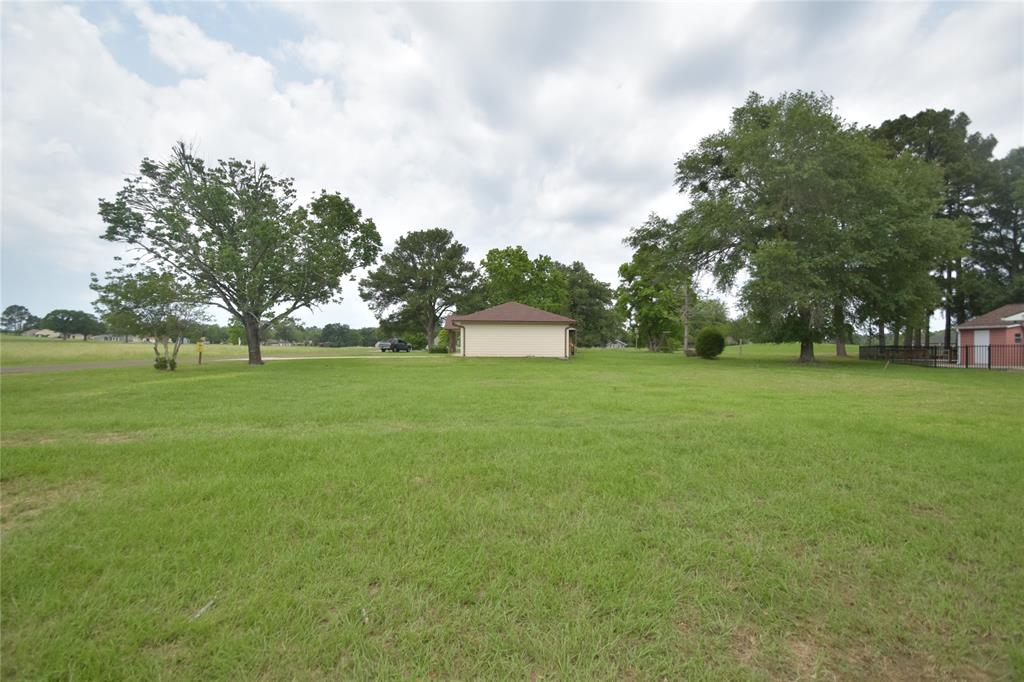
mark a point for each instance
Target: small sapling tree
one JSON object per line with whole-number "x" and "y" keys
{"x": 151, "y": 304}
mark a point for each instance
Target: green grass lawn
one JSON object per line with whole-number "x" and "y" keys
{"x": 21, "y": 351}
{"x": 620, "y": 515}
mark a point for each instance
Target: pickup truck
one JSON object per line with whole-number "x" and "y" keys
{"x": 394, "y": 345}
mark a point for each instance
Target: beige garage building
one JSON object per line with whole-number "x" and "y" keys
{"x": 511, "y": 330}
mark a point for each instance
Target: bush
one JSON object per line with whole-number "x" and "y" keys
{"x": 439, "y": 349}
{"x": 164, "y": 363}
{"x": 710, "y": 343}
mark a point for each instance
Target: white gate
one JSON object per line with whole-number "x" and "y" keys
{"x": 976, "y": 354}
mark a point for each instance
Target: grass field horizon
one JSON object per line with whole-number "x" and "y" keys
{"x": 620, "y": 515}
{"x": 20, "y": 351}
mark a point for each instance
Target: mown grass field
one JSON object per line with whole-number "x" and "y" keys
{"x": 622, "y": 515}
{"x": 20, "y": 351}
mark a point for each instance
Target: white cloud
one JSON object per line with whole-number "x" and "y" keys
{"x": 551, "y": 126}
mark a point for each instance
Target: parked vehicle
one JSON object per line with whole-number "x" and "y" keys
{"x": 394, "y": 345}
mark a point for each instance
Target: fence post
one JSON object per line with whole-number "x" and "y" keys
{"x": 989, "y": 357}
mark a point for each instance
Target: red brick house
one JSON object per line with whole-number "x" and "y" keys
{"x": 996, "y": 337}
{"x": 1001, "y": 327}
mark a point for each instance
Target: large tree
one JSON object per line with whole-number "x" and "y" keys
{"x": 70, "y": 322}
{"x": 591, "y": 303}
{"x": 1000, "y": 247}
{"x": 805, "y": 204}
{"x": 421, "y": 280}
{"x": 509, "y": 274}
{"x": 944, "y": 139}
{"x": 239, "y": 237}
{"x": 658, "y": 252}
{"x": 649, "y": 301}
{"x": 341, "y": 335}
{"x": 17, "y": 318}
{"x": 152, "y": 304}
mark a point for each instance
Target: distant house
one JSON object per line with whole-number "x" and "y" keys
{"x": 120, "y": 338}
{"x": 511, "y": 330}
{"x": 41, "y": 333}
{"x": 993, "y": 339}
{"x": 617, "y": 343}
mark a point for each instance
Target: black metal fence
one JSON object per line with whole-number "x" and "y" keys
{"x": 963, "y": 357}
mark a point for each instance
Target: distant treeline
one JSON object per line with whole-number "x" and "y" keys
{"x": 17, "y": 319}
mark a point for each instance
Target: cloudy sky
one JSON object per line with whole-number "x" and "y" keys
{"x": 553, "y": 126}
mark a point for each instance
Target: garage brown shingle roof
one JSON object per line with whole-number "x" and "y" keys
{"x": 995, "y": 318}
{"x": 511, "y": 312}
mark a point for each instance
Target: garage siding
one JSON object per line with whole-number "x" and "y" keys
{"x": 514, "y": 340}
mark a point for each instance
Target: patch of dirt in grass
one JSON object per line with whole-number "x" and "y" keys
{"x": 21, "y": 440}
{"x": 870, "y": 663}
{"x": 746, "y": 645}
{"x": 396, "y": 426}
{"x": 171, "y": 651}
{"x": 105, "y": 438}
{"x": 930, "y": 512}
{"x": 20, "y": 502}
{"x": 809, "y": 659}
{"x": 804, "y": 659}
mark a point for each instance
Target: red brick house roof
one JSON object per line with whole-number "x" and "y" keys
{"x": 997, "y": 318}
{"x": 510, "y": 312}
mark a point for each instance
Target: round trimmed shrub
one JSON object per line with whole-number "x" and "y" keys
{"x": 710, "y": 343}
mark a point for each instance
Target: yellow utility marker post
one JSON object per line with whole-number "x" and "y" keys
{"x": 199, "y": 349}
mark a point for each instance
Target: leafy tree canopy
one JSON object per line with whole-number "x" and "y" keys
{"x": 69, "y": 322}
{"x": 17, "y": 318}
{"x": 943, "y": 138}
{"x": 591, "y": 303}
{"x": 422, "y": 279}
{"x": 153, "y": 304}
{"x": 649, "y": 302}
{"x": 1000, "y": 248}
{"x": 239, "y": 237}
{"x": 341, "y": 335}
{"x": 819, "y": 216}
{"x": 510, "y": 275}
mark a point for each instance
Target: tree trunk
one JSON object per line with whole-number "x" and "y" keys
{"x": 908, "y": 337}
{"x": 928, "y": 329}
{"x": 252, "y": 338}
{"x": 806, "y": 351}
{"x": 837, "y": 322}
{"x": 429, "y": 328}
{"x": 961, "y": 299}
{"x": 895, "y": 335}
{"x": 881, "y": 334}
{"x": 686, "y": 316}
{"x": 947, "y": 340}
